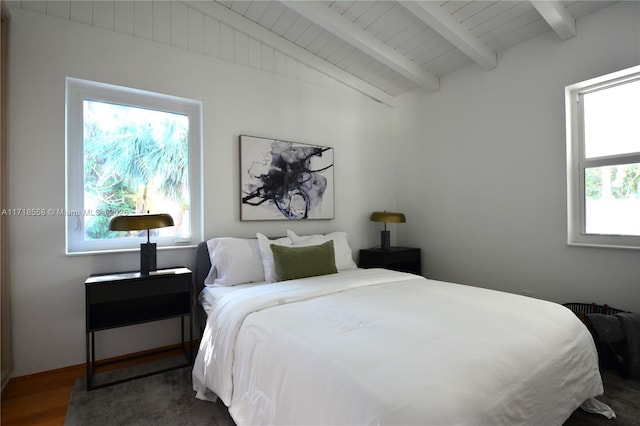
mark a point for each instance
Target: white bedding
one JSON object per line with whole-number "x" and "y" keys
{"x": 382, "y": 347}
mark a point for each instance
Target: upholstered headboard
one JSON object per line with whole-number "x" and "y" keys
{"x": 203, "y": 265}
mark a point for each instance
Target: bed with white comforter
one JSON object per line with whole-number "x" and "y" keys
{"x": 374, "y": 346}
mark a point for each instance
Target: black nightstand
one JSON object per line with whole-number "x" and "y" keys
{"x": 123, "y": 299}
{"x": 404, "y": 259}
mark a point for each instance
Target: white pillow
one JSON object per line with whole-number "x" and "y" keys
{"x": 344, "y": 257}
{"x": 268, "y": 265}
{"x": 234, "y": 261}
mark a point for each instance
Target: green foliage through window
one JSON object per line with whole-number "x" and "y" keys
{"x": 619, "y": 182}
{"x": 135, "y": 160}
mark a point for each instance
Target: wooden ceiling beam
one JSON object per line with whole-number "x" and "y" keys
{"x": 250, "y": 28}
{"x": 441, "y": 22}
{"x": 558, "y": 18}
{"x": 351, "y": 33}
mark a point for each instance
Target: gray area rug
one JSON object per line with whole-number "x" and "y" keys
{"x": 168, "y": 399}
{"x": 161, "y": 399}
{"x": 622, "y": 395}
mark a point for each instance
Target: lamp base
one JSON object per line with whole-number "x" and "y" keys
{"x": 385, "y": 240}
{"x": 147, "y": 258}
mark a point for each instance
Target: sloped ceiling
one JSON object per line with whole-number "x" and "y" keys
{"x": 387, "y": 48}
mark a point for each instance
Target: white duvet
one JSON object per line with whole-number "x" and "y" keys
{"x": 373, "y": 346}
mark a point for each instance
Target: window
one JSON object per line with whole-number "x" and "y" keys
{"x": 603, "y": 160}
{"x": 130, "y": 152}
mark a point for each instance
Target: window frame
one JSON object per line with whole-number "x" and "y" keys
{"x": 577, "y": 163}
{"x": 78, "y": 90}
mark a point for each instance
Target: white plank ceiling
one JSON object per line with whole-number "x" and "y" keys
{"x": 380, "y": 48}
{"x": 392, "y": 47}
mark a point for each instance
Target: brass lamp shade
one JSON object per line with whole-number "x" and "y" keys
{"x": 387, "y": 217}
{"x": 140, "y": 221}
{"x": 143, "y": 222}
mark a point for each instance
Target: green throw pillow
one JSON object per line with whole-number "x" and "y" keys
{"x": 300, "y": 262}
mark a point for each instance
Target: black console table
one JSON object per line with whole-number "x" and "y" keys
{"x": 124, "y": 299}
{"x": 404, "y": 259}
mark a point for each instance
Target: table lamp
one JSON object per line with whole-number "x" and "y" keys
{"x": 141, "y": 222}
{"x": 387, "y": 217}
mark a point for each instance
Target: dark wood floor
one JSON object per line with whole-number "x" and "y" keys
{"x": 41, "y": 399}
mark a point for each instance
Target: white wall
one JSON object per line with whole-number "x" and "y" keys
{"x": 47, "y": 286}
{"x": 482, "y": 169}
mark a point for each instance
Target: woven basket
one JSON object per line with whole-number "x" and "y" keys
{"x": 583, "y": 309}
{"x": 609, "y": 355}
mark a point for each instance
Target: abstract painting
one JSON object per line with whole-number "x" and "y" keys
{"x": 281, "y": 180}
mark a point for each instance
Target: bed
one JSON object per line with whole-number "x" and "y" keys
{"x": 373, "y": 346}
